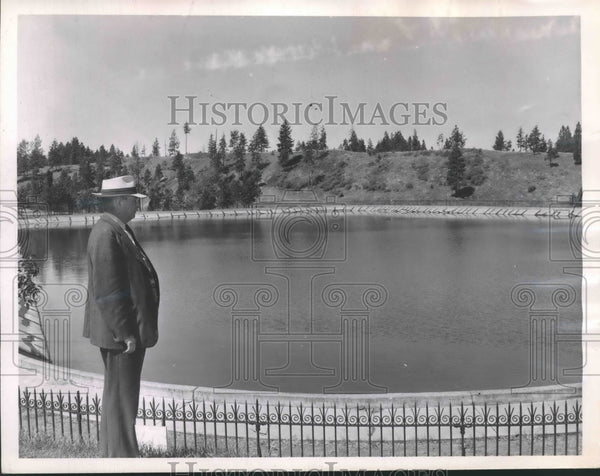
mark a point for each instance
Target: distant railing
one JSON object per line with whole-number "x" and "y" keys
{"x": 277, "y": 429}
{"x": 563, "y": 200}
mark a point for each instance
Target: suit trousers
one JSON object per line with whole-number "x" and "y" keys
{"x": 122, "y": 373}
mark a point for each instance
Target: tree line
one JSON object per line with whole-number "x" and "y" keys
{"x": 536, "y": 142}
{"x": 227, "y": 180}
{"x": 231, "y": 177}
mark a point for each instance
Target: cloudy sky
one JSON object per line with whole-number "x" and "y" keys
{"x": 106, "y": 79}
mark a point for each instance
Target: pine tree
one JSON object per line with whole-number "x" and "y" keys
{"x": 551, "y": 154}
{"x": 440, "y": 141}
{"x": 564, "y": 142}
{"x": 543, "y": 144}
{"x": 213, "y": 154}
{"x": 499, "y": 142}
{"x": 136, "y": 164}
{"x": 416, "y": 145}
{"x": 456, "y": 137}
{"x": 259, "y": 142}
{"x": 534, "y": 140}
{"x": 577, "y": 144}
{"x": 322, "y": 139}
{"x": 456, "y": 167}
{"x": 54, "y": 154}
{"x": 37, "y": 158}
{"x": 370, "y": 149}
{"x": 23, "y": 157}
{"x": 286, "y": 143}
{"x": 385, "y": 144}
{"x": 353, "y": 141}
{"x": 186, "y": 131}
{"x": 177, "y": 163}
{"x": 239, "y": 150}
{"x": 173, "y": 143}
{"x": 158, "y": 173}
{"x": 313, "y": 139}
{"x": 115, "y": 162}
{"x": 155, "y": 148}
{"x": 521, "y": 142}
{"x": 222, "y": 151}
{"x": 234, "y": 136}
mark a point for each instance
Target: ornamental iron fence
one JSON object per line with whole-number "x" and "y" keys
{"x": 276, "y": 429}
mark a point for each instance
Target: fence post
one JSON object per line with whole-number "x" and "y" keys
{"x": 301, "y": 431}
{"x": 225, "y": 425}
{"x": 335, "y": 450}
{"x": 184, "y": 428}
{"x": 474, "y": 432}
{"x": 96, "y": 403}
{"x": 312, "y": 424}
{"x": 70, "y": 415}
{"x": 497, "y": 428}
{"x": 543, "y": 429}
{"x": 566, "y": 429}
{"x": 236, "y": 419}
{"x": 79, "y": 425}
{"x": 204, "y": 422}
{"x": 173, "y": 412}
{"x": 269, "y": 432}
{"x": 358, "y": 428}
{"x": 257, "y": 422}
{"x": 43, "y": 397}
{"x": 52, "y": 413}
{"x": 20, "y": 409}
{"x": 35, "y": 411}
{"x": 87, "y": 406}
{"x": 246, "y": 421}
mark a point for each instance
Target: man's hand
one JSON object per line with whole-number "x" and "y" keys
{"x": 130, "y": 342}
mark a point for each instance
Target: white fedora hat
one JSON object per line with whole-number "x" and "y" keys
{"x": 119, "y": 187}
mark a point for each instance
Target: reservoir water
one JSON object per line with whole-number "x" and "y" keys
{"x": 445, "y": 319}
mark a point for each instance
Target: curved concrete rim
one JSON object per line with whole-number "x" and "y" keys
{"x": 406, "y": 210}
{"x": 79, "y": 380}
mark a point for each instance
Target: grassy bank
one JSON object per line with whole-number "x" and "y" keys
{"x": 357, "y": 177}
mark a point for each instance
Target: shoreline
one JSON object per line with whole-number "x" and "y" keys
{"x": 84, "y": 382}
{"x": 438, "y": 211}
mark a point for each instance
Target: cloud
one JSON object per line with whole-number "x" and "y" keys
{"x": 495, "y": 29}
{"x": 273, "y": 54}
{"x": 525, "y": 107}
{"x": 371, "y": 46}
{"x": 265, "y": 55}
{"x": 226, "y": 60}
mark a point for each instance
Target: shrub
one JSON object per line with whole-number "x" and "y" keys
{"x": 464, "y": 192}
{"x": 477, "y": 176}
{"x": 409, "y": 186}
{"x": 531, "y": 188}
{"x": 422, "y": 169}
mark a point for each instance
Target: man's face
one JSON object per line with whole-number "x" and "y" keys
{"x": 128, "y": 206}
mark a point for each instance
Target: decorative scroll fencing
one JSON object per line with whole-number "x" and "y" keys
{"x": 235, "y": 428}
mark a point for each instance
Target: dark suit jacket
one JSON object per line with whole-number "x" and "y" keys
{"x": 123, "y": 293}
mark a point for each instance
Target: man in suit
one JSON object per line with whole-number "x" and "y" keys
{"x": 121, "y": 312}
